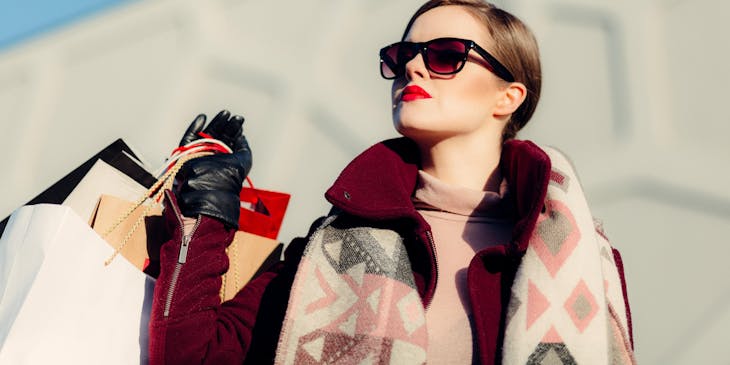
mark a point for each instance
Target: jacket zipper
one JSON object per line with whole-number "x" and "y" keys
{"x": 181, "y": 258}
{"x": 429, "y": 237}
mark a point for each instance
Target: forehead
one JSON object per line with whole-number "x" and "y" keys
{"x": 448, "y": 21}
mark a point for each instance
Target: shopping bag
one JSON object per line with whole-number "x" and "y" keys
{"x": 124, "y": 227}
{"x": 118, "y": 154}
{"x": 144, "y": 241}
{"x": 248, "y": 254}
{"x": 61, "y": 305}
{"x": 262, "y": 210}
{"x": 102, "y": 179}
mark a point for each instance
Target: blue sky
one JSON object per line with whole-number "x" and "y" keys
{"x": 22, "y": 20}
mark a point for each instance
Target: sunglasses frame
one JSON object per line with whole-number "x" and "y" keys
{"x": 495, "y": 66}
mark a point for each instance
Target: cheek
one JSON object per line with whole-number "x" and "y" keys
{"x": 468, "y": 100}
{"x": 459, "y": 104}
{"x": 470, "y": 91}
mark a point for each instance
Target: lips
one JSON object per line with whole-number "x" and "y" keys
{"x": 414, "y": 92}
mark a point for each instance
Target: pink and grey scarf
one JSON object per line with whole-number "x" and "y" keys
{"x": 354, "y": 300}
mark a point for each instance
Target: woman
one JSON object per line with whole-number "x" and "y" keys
{"x": 456, "y": 244}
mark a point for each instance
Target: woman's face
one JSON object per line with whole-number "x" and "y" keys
{"x": 459, "y": 104}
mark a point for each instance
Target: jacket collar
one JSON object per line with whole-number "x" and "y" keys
{"x": 379, "y": 183}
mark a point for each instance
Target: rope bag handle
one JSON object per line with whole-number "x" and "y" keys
{"x": 205, "y": 146}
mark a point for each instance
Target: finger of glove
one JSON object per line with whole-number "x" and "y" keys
{"x": 195, "y": 127}
{"x": 234, "y": 132}
{"x": 243, "y": 156}
{"x": 218, "y": 124}
{"x": 229, "y": 131}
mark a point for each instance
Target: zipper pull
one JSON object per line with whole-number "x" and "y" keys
{"x": 186, "y": 238}
{"x": 183, "y": 256}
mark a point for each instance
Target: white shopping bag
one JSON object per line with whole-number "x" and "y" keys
{"x": 59, "y": 304}
{"x": 102, "y": 179}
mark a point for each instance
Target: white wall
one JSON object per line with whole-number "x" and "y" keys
{"x": 633, "y": 91}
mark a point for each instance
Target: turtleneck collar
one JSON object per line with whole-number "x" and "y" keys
{"x": 434, "y": 194}
{"x": 380, "y": 183}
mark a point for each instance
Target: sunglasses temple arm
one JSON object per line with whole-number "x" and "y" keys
{"x": 499, "y": 69}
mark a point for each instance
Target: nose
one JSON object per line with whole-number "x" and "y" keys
{"x": 416, "y": 68}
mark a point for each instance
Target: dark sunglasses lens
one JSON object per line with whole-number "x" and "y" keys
{"x": 446, "y": 56}
{"x": 405, "y": 52}
{"x": 395, "y": 58}
{"x": 389, "y": 66}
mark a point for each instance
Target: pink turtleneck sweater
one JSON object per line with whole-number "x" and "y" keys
{"x": 463, "y": 221}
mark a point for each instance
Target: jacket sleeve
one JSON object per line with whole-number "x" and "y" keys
{"x": 188, "y": 323}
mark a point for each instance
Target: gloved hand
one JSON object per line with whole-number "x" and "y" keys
{"x": 211, "y": 185}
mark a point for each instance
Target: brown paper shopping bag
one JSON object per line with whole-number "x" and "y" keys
{"x": 248, "y": 253}
{"x": 144, "y": 240}
{"x": 134, "y": 231}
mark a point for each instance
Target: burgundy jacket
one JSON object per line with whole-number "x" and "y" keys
{"x": 189, "y": 325}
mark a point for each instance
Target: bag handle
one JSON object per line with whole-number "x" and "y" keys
{"x": 205, "y": 146}
{"x": 155, "y": 193}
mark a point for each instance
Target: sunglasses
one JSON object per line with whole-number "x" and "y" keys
{"x": 443, "y": 56}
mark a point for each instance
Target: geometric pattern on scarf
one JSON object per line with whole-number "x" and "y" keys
{"x": 353, "y": 301}
{"x": 566, "y": 304}
{"x": 551, "y": 354}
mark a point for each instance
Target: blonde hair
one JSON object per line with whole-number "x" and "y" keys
{"x": 514, "y": 46}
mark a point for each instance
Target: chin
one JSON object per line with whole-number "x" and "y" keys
{"x": 414, "y": 119}
{"x": 408, "y": 126}
{"x": 418, "y": 133}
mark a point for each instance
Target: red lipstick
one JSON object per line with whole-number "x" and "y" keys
{"x": 414, "y": 92}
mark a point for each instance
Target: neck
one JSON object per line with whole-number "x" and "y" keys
{"x": 470, "y": 161}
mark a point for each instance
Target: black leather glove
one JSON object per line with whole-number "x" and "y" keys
{"x": 211, "y": 185}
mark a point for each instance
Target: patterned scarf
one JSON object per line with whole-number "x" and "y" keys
{"x": 354, "y": 300}
{"x": 567, "y": 296}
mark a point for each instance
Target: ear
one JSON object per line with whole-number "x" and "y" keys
{"x": 511, "y": 97}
